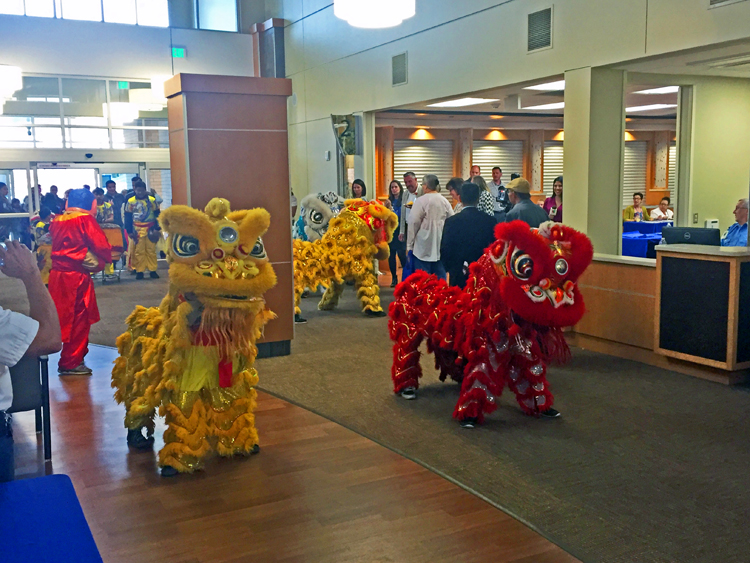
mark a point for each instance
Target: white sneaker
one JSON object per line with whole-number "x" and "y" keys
{"x": 409, "y": 393}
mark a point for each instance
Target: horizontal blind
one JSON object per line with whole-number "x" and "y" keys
{"x": 508, "y": 155}
{"x": 634, "y": 178}
{"x": 424, "y": 157}
{"x": 553, "y": 164}
{"x": 672, "y": 182}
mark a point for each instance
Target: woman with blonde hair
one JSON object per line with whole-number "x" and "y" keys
{"x": 486, "y": 201}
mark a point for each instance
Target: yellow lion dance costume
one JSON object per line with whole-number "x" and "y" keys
{"x": 193, "y": 356}
{"x": 358, "y": 236}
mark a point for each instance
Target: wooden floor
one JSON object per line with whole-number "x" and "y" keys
{"x": 316, "y": 492}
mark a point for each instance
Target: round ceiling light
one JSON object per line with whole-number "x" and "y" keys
{"x": 374, "y": 14}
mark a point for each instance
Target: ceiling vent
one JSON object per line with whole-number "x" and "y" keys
{"x": 399, "y": 70}
{"x": 540, "y": 30}
{"x": 718, "y": 3}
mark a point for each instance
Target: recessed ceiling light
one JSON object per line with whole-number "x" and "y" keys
{"x": 548, "y": 87}
{"x": 462, "y": 102}
{"x": 556, "y": 105}
{"x": 420, "y": 114}
{"x": 496, "y": 117}
{"x": 662, "y": 90}
{"x": 651, "y": 107}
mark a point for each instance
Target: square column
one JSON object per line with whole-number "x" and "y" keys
{"x": 593, "y": 154}
{"x": 228, "y": 138}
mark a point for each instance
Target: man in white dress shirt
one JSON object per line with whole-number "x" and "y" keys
{"x": 407, "y": 200}
{"x": 426, "y": 222}
{"x": 35, "y": 335}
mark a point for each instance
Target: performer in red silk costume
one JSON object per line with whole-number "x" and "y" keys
{"x": 504, "y": 327}
{"x": 79, "y": 248}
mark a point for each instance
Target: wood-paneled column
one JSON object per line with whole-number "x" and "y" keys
{"x": 228, "y": 138}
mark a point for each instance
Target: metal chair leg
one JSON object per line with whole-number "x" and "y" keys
{"x": 47, "y": 430}
{"x": 38, "y": 419}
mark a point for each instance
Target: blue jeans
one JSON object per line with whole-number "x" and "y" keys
{"x": 436, "y": 268}
{"x": 7, "y": 462}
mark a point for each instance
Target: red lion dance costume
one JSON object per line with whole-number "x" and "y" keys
{"x": 503, "y": 328}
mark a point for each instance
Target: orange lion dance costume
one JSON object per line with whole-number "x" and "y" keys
{"x": 503, "y": 328}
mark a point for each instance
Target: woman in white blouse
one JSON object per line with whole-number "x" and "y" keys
{"x": 662, "y": 213}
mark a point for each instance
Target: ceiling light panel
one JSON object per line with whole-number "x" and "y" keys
{"x": 462, "y": 102}
{"x": 557, "y": 105}
{"x": 651, "y": 107}
{"x": 662, "y": 90}
{"x": 548, "y": 87}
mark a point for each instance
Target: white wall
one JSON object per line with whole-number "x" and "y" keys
{"x": 52, "y": 46}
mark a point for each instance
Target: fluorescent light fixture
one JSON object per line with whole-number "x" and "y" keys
{"x": 548, "y": 87}
{"x": 662, "y": 90}
{"x": 651, "y": 107}
{"x": 462, "y": 102}
{"x": 157, "y": 87}
{"x": 122, "y": 112}
{"x": 374, "y": 14}
{"x": 556, "y": 105}
{"x": 11, "y": 80}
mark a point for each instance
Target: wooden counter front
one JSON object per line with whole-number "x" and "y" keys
{"x": 703, "y": 305}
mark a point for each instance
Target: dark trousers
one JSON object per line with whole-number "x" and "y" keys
{"x": 7, "y": 461}
{"x": 397, "y": 248}
{"x": 436, "y": 268}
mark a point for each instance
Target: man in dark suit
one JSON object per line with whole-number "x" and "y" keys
{"x": 465, "y": 236}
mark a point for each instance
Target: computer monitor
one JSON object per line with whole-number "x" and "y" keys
{"x": 691, "y": 235}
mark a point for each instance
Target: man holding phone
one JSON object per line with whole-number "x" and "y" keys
{"x": 21, "y": 336}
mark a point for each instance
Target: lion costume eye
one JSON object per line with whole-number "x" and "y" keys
{"x": 228, "y": 235}
{"x": 185, "y": 246}
{"x": 522, "y": 265}
{"x": 258, "y": 251}
{"x": 316, "y": 217}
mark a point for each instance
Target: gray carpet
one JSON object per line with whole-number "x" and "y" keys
{"x": 645, "y": 465}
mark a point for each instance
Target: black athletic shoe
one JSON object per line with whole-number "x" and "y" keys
{"x": 469, "y": 422}
{"x": 154, "y": 276}
{"x": 550, "y": 413}
{"x": 394, "y": 282}
{"x": 298, "y": 319}
{"x": 168, "y": 471}
{"x": 370, "y": 313}
{"x": 409, "y": 393}
{"x": 138, "y": 441}
{"x": 139, "y": 276}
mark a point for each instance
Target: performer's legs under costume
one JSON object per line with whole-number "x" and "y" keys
{"x": 144, "y": 253}
{"x": 75, "y": 300}
{"x": 204, "y": 415}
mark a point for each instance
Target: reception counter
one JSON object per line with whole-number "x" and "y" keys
{"x": 703, "y": 305}
{"x": 623, "y": 297}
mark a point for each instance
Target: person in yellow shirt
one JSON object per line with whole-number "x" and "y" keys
{"x": 636, "y": 212}
{"x": 43, "y": 241}
{"x": 141, "y": 212}
{"x": 105, "y": 216}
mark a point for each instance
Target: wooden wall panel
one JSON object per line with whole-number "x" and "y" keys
{"x": 620, "y": 303}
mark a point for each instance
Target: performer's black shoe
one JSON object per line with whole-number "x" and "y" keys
{"x": 168, "y": 471}
{"x": 138, "y": 441}
{"x": 409, "y": 393}
{"x": 470, "y": 422}
{"x": 370, "y": 313}
{"x": 80, "y": 369}
{"x": 298, "y": 319}
{"x": 139, "y": 275}
{"x": 550, "y": 413}
{"x": 154, "y": 276}
{"x": 394, "y": 282}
